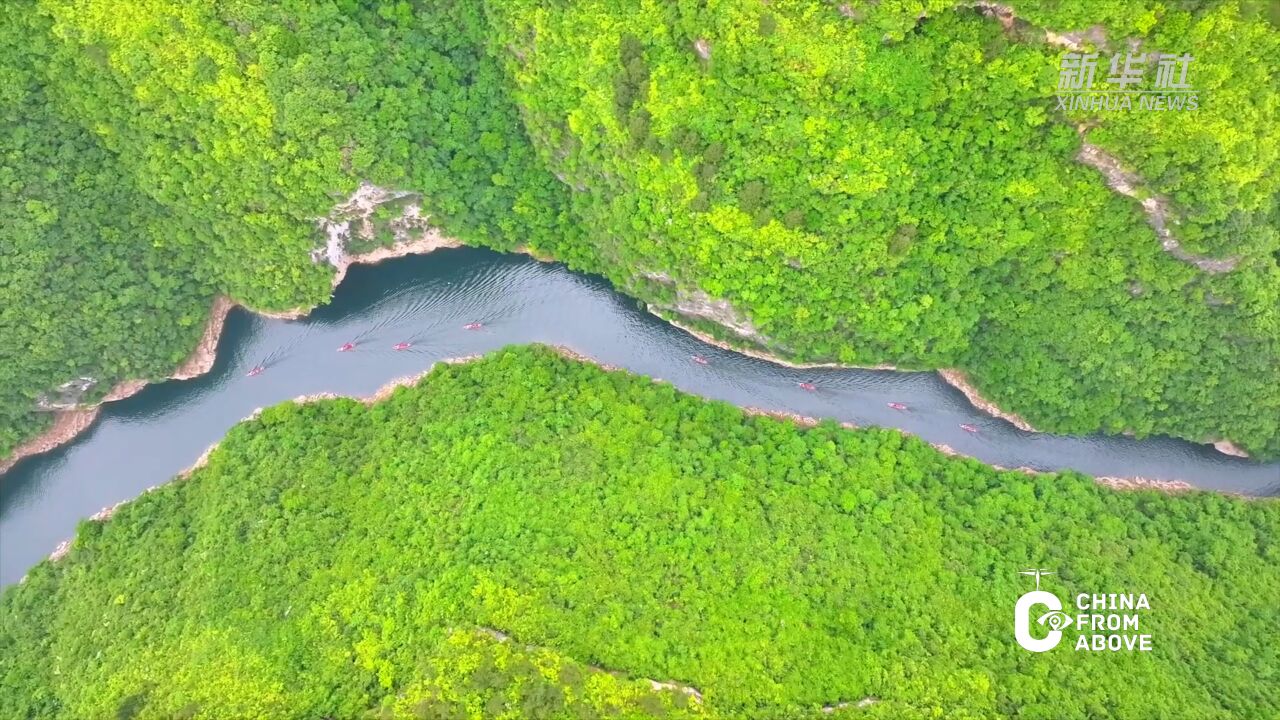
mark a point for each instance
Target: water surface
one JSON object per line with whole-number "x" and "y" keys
{"x": 426, "y": 300}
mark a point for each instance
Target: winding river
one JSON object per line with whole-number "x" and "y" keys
{"x": 426, "y": 300}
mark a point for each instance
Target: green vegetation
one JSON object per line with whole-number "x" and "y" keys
{"x": 918, "y": 200}
{"x": 155, "y": 154}
{"x": 864, "y": 184}
{"x": 335, "y": 559}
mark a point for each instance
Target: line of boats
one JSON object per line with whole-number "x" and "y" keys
{"x": 699, "y": 359}
{"x": 351, "y": 346}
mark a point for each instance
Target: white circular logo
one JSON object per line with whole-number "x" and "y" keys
{"x": 1054, "y": 619}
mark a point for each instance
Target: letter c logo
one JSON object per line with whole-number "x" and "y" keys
{"x": 1022, "y": 621}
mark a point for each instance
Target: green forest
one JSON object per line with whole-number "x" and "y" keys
{"x": 527, "y": 536}
{"x": 868, "y": 182}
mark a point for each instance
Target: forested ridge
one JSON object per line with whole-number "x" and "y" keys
{"x": 867, "y": 182}
{"x": 497, "y": 540}
{"x": 156, "y": 154}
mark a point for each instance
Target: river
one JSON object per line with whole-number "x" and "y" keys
{"x": 150, "y": 437}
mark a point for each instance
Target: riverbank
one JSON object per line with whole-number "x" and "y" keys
{"x": 956, "y": 378}
{"x": 841, "y": 497}
{"x": 70, "y": 423}
{"x": 67, "y": 424}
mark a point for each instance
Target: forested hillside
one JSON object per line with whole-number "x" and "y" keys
{"x": 866, "y": 182}
{"x": 493, "y": 539}
{"x": 876, "y": 188}
{"x": 156, "y": 154}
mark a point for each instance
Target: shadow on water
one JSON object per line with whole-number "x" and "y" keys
{"x": 429, "y": 301}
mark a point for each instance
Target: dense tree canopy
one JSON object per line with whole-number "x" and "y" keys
{"x": 870, "y": 186}
{"x": 155, "y": 154}
{"x": 334, "y": 558}
{"x": 865, "y": 181}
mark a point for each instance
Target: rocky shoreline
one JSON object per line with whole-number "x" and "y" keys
{"x": 66, "y": 425}
{"x": 1115, "y": 483}
{"x": 70, "y": 422}
{"x": 959, "y": 380}
{"x": 954, "y": 377}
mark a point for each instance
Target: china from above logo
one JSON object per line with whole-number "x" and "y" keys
{"x": 1169, "y": 89}
{"x": 1098, "y": 632}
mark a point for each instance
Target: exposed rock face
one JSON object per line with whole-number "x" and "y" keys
{"x": 1226, "y": 447}
{"x": 864, "y": 702}
{"x": 1096, "y": 36}
{"x": 1075, "y": 40}
{"x": 201, "y": 359}
{"x": 960, "y": 381}
{"x": 1003, "y": 13}
{"x": 698, "y": 304}
{"x": 354, "y": 218}
{"x": 1141, "y": 483}
{"x": 355, "y": 215}
{"x": 1156, "y": 207}
{"x": 657, "y": 276}
{"x": 66, "y": 396}
{"x": 124, "y": 389}
{"x": 66, "y": 425}
{"x": 689, "y": 690}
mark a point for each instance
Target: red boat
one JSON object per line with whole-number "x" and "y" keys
{"x": 700, "y": 360}
{"x": 402, "y": 346}
{"x": 255, "y": 372}
{"x": 897, "y": 406}
{"x": 808, "y": 386}
{"x": 473, "y": 326}
{"x": 347, "y": 347}
{"x": 968, "y": 428}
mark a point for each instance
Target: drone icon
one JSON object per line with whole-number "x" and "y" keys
{"x": 1037, "y": 572}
